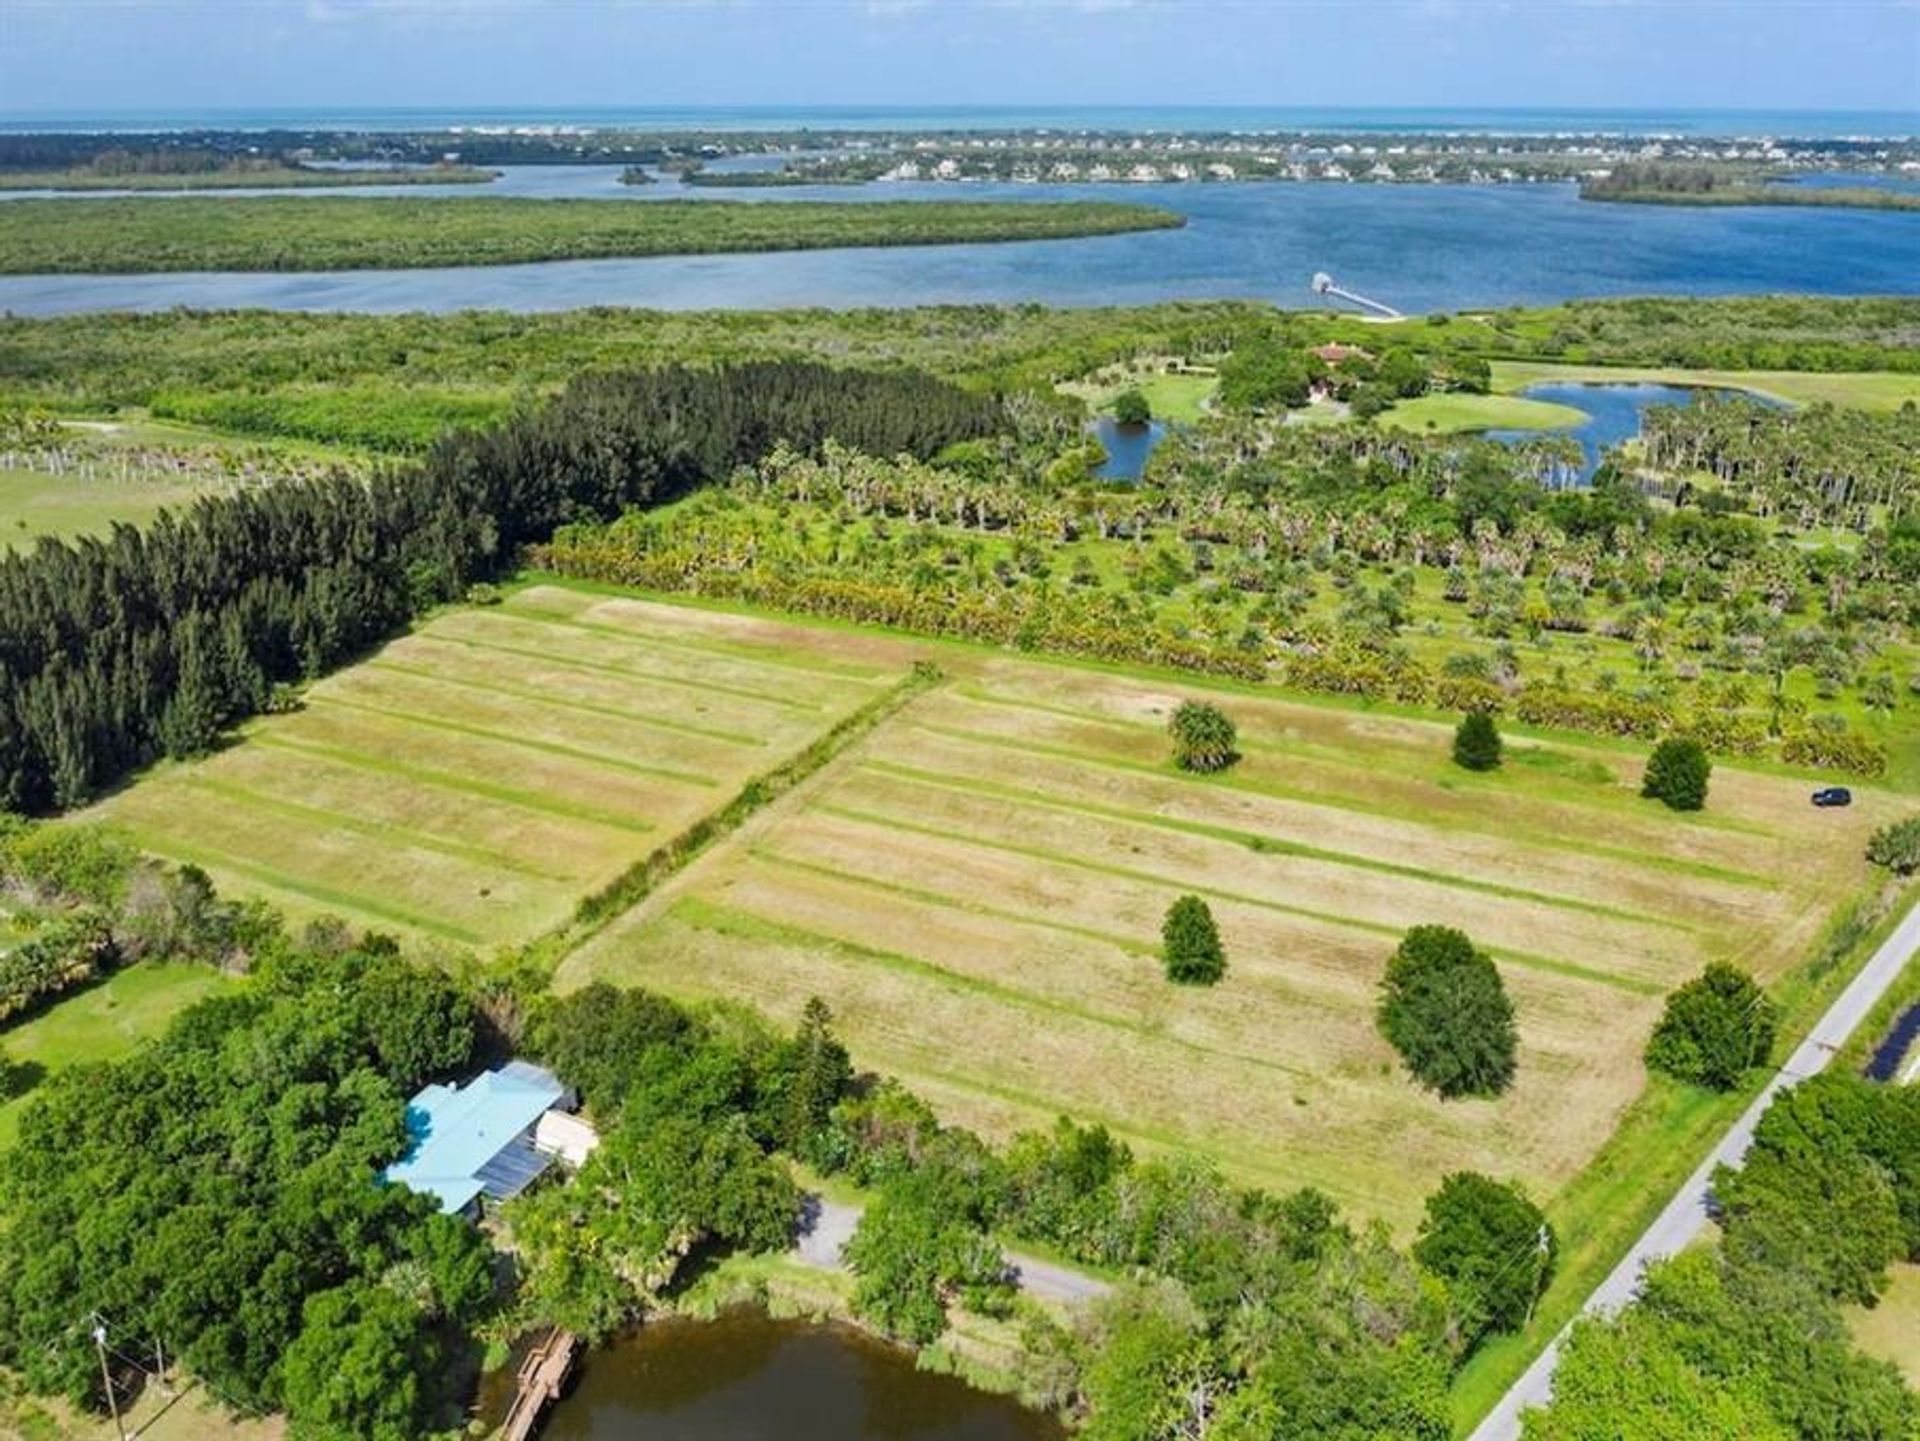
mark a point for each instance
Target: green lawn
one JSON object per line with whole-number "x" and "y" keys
{"x": 1449, "y": 414}
{"x": 1180, "y": 399}
{"x": 1866, "y": 390}
{"x": 34, "y": 503}
{"x": 102, "y": 1022}
{"x": 128, "y": 470}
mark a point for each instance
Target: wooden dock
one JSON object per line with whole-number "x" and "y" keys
{"x": 543, "y": 1375}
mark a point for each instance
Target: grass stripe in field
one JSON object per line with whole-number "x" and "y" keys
{"x": 742, "y": 925}
{"x": 1376, "y": 928}
{"x": 373, "y": 830}
{"x": 635, "y": 672}
{"x": 716, "y": 646}
{"x": 450, "y": 781}
{"x": 1497, "y": 828}
{"x": 598, "y": 758}
{"x": 548, "y": 698}
{"x": 1259, "y": 844}
{"x": 213, "y": 858}
{"x": 952, "y": 903}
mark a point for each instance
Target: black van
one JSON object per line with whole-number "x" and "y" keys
{"x": 1833, "y": 796}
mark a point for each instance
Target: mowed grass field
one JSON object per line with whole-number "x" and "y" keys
{"x": 977, "y": 890}
{"x": 976, "y": 886}
{"x": 474, "y": 780}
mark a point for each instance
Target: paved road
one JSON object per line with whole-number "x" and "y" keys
{"x": 827, "y": 1226}
{"x": 1686, "y": 1214}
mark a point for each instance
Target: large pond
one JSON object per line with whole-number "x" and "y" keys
{"x": 1418, "y": 247}
{"x": 746, "y": 1377}
{"x": 1613, "y": 413}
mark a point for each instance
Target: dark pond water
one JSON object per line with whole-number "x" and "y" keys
{"x": 1127, "y": 446}
{"x": 1417, "y": 247}
{"x": 1889, "y": 1055}
{"x": 1613, "y": 413}
{"x": 746, "y": 1377}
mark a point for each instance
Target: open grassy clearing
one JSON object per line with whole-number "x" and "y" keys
{"x": 1449, "y": 414}
{"x": 1863, "y": 390}
{"x": 977, "y": 890}
{"x": 474, "y": 780}
{"x": 109, "y": 472}
{"x": 34, "y": 503}
{"x": 1180, "y": 398}
{"x": 100, "y": 1022}
{"x": 1891, "y": 1330}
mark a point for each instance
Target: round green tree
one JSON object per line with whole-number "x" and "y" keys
{"x": 1203, "y": 737}
{"x": 354, "y": 1370}
{"x": 1715, "y": 1029}
{"x": 1677, "y": 773}
{"x": 1190, "y": 944}
{"x": 1445, "y": 1010}
{"x": 1130, "y": 408}
{"x": 1491, "y": 1245}
{"x": 1476, "y": 743}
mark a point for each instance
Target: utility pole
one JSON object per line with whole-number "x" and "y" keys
{"x": 1542, "y": 1248}
{"x": 106, "y": 1379}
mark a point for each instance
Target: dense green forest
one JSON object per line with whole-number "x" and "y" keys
{"x": 279, "y": 233}
{"x": 237, "y": 176}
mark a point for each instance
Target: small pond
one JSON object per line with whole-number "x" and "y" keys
{"x": 747, "y": 1377}
{"x": 1127, "y": 447}
{"x": 1613, "y": 412}
{"x": 1889, "y": 1057}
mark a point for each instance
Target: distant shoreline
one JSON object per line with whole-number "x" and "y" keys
{"x": 277, "y": 177}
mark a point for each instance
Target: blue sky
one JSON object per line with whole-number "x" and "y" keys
{"x": 102, "y": 55}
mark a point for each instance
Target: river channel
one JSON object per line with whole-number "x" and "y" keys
{"x": 1415, "y": 247}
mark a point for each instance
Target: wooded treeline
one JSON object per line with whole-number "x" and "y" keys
{"x": 129, "y": 237}
{"x": 114, "y": 651}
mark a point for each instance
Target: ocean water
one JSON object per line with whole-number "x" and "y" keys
{"x": 1417, "y": 248}
{"x": 1804, "y": 124}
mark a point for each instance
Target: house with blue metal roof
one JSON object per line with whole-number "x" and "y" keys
{"x": 479, "y": 1140}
